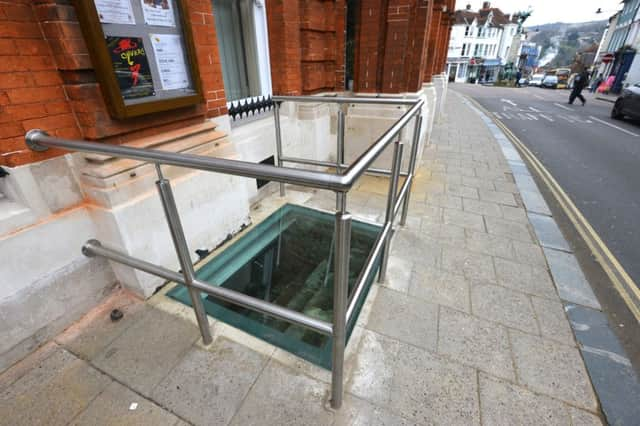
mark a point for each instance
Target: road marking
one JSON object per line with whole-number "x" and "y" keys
{"x": 547, "y": 118}
{"x": 563, "y": 107}
{"x": 507, "y": 101}
{"x": 620, "y": 279}
{"x": 566, "y": 118}
{"x": 534, "y": 110}
{"x": 614, "y": 126}
{"x": 507, "y": 116}
{"x": 497, "y": 114}
{"x": 533, "y": 116}
{"x": 523, "y": 117}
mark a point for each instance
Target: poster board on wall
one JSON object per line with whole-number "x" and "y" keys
{"x": 143, "y": 54}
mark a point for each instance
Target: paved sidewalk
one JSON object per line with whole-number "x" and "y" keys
{"x": 468, "y": 329}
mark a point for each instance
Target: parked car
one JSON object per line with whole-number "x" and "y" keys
{"x": 628, "y": 104}
{"x": 536, "y": 80}
{"x": 550, "y": 82}
{"x": 523, "y": 82}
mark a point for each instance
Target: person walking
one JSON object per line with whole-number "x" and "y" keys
{"x": 579, "y": 84}
{"x": 518, "y": 77}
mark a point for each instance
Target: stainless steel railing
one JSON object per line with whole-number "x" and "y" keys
{"x": 340, "y": 182}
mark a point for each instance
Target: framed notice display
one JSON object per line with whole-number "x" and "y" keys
{"x": 143, "y": 54}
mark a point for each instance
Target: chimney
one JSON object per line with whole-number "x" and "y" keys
{"x": 486, "y": 5}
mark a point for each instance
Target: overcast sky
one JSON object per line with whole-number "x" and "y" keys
{"x": 548, "y": 11}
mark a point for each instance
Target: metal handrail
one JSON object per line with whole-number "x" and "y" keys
{"x": 343, "y": 304}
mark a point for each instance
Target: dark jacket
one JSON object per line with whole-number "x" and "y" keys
{"x": 581, "y": 81}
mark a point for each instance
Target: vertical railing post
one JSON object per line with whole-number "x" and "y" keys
{"x": 340, "y": 301}
{"x": 413, "y": 159}
{"x": 182, "y": 250}
{"x": 340, "y": 154}
{"x": 391, "y": 203}
{"x": 276, "y": 117}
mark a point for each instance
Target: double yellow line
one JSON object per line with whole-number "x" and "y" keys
{"x": 621, "y": 280}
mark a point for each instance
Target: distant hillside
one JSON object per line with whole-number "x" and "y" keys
{"x": 561, "y": 41}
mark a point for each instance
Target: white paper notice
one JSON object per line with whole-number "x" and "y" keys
{"x": 158, "y": 13}
{"x": 170, "y": 58}
{"x": 115, "y": 12}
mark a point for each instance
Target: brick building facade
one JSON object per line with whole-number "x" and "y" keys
{"x": 47, "y": 79}
{"x": 51, "y": 203}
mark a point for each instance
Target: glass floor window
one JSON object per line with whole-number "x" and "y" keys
{"x": 287, "y": 260}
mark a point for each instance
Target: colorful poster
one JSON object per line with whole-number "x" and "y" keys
{"x": 170, "y": 57}
{"x": 115, "y": 12}
{"x": 131, "y": 65}
{"x": 158, "y": 13}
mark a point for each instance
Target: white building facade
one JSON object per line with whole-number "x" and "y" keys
{"x": 480, "y": 44}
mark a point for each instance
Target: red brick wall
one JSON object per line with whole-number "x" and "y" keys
{"x": 369, "y": 51}
{"x": 47, "y": 80}
{"x": 390, "y": 52}
{"x": 306, "y": 45}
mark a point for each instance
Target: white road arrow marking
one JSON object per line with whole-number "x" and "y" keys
{"x": 507, "y": 101}
{"x": 614, "y": 126}
{"x": 533, "y": 116}
{"x": 534, "y": 110}
{"x": 547, "y": 118}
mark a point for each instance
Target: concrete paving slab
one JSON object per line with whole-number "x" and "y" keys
{"x": 525, "y": 278}
{"x": 474, "y": 266}
{"x": 443, "y": 392}
{"x": 548, "y": 232}
{"x": 529, "y": 254}
{"x": 572, "y": 285}
{"x": 147, "y": 351}
{"x": 553, "y": 369}
{"x": 410, "y": 246}
{"x": 448, "y": 234}
{"x": 509, "y": 229}
{"x": 484, "y": 208}
{"x": 441, "y": 287}
{"x": 54, "y": 392}
{"x": 583, "y": 418}
{"x": 492, "y": 245}
{"x": 611, "y": 371}
{"x": 404, "y": 318}
{"x": 444, "y": 200}
{"x": 207, "y": 387}
{"x": 96, "y": 330}
{"x": 280, "y": 396}
{"x": 463, "y": 219}
{"x": 514, "y": 214}
{"x": 504, "y": 306}
{"x": 553, "y": 320}
{"x": 113, "y": 407}
{"x": 398, "y": 274}
{"x": 358, "y": 412}
{"x": 504, "y": 403}
{"x": 474, "y": 342}
{"x": 505, "y": 198}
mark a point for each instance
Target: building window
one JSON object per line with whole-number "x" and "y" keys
{"x": 467, "y": 31}
{"x": 241, "y": 28}
{"x": 462, "y": 71}
{"x": 464, "y": 49}
{"x": 476, "y": 51}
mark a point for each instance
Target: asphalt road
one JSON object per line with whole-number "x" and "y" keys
{"x": 594, "y": 158}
